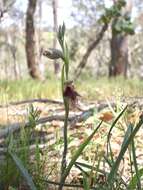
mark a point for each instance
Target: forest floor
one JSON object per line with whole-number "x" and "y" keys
{"x": 106, "y": 97}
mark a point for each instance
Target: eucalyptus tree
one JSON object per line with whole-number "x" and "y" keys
{"x": 30, "y": 46}
{"x": 118, "y": 18}
{"x": 121, "y": 28}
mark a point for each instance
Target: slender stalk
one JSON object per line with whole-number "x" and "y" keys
{"x": 64, "y": 78}
{"x": 63, "y": 163}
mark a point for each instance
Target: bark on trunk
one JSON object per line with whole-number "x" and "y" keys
{"x": 119, "y": 55}
{"x": 32, "y": 61}
{"x": 119, "y": 48}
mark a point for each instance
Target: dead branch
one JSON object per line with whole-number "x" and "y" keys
{"x": 84, "y": 115}
{"x": 31, "y": 148}
{"x": 45, "y": 100}
{"x": 90, "y": 48}
{"x": 16, "y": 126}
{"x": 31, "y": 101}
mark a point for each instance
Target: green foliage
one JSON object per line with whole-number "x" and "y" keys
{"x": 17, "y": 90}
{"x": 109, "y": 135}
{"x": 135, "y": 162}
{"x": 64, "y": 80}
{"x": 63, "y": 44}
{"x": 123, "y": 26}
{"x": 33, "y": 116}
{"x": 87, "y": 85}
{"x": 78, "y": 153}
{"x": 126, "y": 142}
{"x": 134, "y": 181}
{"x": 121, "y": 23}
{"x": 17, "y": 166}
{"x": 113, "y": 12}
{"x": 85, "y": 182}
{"x": 23, "y": 170}
{"x": 19, "y": 149}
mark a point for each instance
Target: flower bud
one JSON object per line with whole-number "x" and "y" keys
{"x": 53, "y": 53}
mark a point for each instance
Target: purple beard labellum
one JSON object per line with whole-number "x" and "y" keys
{"x": 71, "y": 94}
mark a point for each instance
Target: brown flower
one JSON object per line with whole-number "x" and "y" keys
{"x": 70, "y": 93}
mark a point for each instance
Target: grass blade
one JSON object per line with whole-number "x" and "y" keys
{"x": 85, "y": 182}
{"x": 135, "y": 164}
{"x": 124, "y": 147}
{"x": 109, "y": 133}
{"x": 87, "y": 166}
{"x": 23, "y": 170}
{"x": 133, "y": 183}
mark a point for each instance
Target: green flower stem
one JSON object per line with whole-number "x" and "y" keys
{"x": 63, "y": 164}
{"x": 64, "y": 78}
{"x": 64, "y": 55}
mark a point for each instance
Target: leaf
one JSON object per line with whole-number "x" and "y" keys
{"x": 133, "y": 183}
{"x": 22, "y": 170}
{"x": 115, "y": 121}
{"x": 63, "y": 29}
{"x": 109, "y": 133}
{"x": 77, "y": 154}
{"x": 66, "y": 57}
{"x": 63, "y": 78}
{"x": 89, "y": 167}
{"x": 127, "y": 135}
{"x": 125, "y": 144}
{"x": 85, "y": 182}
{"x": 135, "y": 163}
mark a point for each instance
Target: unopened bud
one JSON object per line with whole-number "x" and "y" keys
{"x": 53, "y": 53}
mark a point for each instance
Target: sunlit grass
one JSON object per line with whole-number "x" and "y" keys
{"x": 99, "y": 89}
{"x": 29, "y": 89}
{"x": 90, "y": 88}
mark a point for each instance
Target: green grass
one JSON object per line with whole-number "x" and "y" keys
{"x": 89, "y": 88}
{"x": 99, "y": 89}
{"x": 29, "y": 89}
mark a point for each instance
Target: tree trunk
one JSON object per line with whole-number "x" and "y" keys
{"x": 31, "y": 56}
{"x": 13, "y": 49}
{"x": 55, "y": 19}
{"x": 119, "y": 49}
{"x": 119, "y": 55}
{"x": 39, "y": 36}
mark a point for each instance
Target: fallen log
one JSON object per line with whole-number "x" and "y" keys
{"x": 9, "y": 129}
{"x": 73, "y": 119}
{"x": 32, "y": 147}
